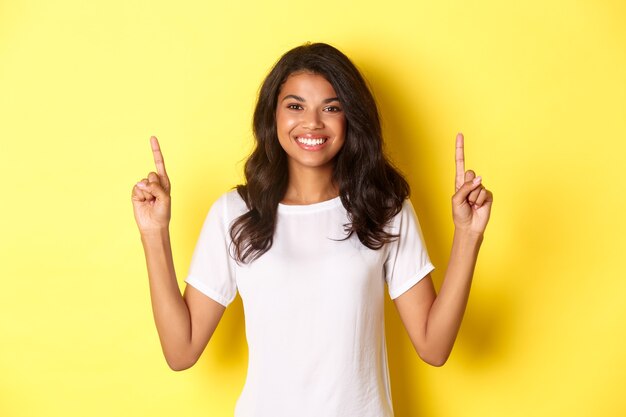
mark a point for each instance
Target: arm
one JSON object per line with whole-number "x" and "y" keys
{"x": 184, "y": 323}
{"x": 433, "y": 321}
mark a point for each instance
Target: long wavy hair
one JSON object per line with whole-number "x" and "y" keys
{"x": 371, "y": 188}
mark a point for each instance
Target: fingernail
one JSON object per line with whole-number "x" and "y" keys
{"x": 477, "y": 180}
{"x": 141, "y": 185}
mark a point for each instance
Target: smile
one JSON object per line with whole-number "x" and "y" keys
{"x": 311, "y": 141}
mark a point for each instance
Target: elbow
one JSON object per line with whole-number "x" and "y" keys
{"x": 436, "y": 359}
{"x": 180, "y": 363}
{"x": 437, "y": 362}
{"x": 175, "y": 366}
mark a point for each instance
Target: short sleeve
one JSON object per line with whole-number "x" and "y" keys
{"x": 407, "y": 259}
{"x": 212, "y": 270}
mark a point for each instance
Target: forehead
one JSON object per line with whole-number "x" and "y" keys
{"x": 307, "y": 84}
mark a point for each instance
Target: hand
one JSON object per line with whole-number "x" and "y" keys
{"x": 151, "y": 196}
{"x": 471, "y": 204}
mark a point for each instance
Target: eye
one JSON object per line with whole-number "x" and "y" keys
{"x": 294, "y": 106}
{"x": 332, "y": 109}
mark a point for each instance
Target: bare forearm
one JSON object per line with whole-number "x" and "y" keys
{"x": 169, "y": 309}
{"x": 446, "y": 313}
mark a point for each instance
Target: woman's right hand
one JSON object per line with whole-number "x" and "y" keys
{"x": 151, "y": 196}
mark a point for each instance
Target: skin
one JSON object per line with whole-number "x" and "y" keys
{"x": 185, "y": 323}
{"x": 433, "y": 321}
{"x": 307, "y": 106}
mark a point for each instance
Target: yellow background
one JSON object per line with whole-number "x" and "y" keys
{"x": 538, "y": 88}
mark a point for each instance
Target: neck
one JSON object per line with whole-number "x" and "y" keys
{"x": 310, "y": 185}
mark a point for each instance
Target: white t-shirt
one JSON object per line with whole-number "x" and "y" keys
{"x": 313, "y": 307}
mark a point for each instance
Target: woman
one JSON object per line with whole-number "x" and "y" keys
{"x": 309, "y": 241}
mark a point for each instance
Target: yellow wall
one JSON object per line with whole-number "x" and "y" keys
{"x": 538, "y": 88}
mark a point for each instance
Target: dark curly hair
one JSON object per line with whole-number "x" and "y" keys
{"x": 371, "y": 189}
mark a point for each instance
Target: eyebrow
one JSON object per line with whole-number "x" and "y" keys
{"x": 302, "y": 100}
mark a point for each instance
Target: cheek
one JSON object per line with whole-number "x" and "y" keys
{"x": 283, "y": 128}
{"x": 341, "y": 126}
{"x": 284, "y": 121}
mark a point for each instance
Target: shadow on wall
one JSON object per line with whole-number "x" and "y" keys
{"x": 484, "y": 326}
{"x": 227, "y": 349}
{"x": 486, "y": 337}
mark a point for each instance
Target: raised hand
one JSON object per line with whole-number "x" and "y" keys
{"x": 471, "y": 203}
{"x": 151, "y": 196}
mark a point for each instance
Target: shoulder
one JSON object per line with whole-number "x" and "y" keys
{"x": 405, "y": 216}
{"x": 229, "y": 206}
{"x": 407, "y": 206}
{"x": 405, "y": 223}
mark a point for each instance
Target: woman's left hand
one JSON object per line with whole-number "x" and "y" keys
{"x": 471, "y": 204}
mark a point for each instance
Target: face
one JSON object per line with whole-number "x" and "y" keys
{"x": 310, "y": 121}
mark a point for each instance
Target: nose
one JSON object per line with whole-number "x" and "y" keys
{"x": 313, "y": 120}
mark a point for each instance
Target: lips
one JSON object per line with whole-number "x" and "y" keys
{"x": 311, "y": 142}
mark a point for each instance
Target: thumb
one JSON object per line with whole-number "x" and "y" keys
{"x": 461, "y": 195}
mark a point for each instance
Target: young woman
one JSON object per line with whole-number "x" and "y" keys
{"x": 309, "y": 241}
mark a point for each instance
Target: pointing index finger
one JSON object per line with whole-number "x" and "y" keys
{"x": 460, "y": 161}
{"x": 158, "y": 157}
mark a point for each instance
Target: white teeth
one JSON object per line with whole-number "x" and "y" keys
{"x": 311, "y": 142}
